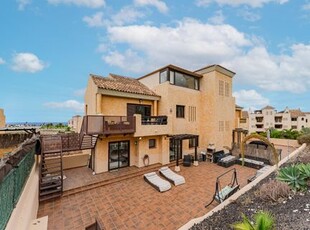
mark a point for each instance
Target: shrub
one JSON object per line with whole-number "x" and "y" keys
{"x": 263, "y": 220}
{"x": 304, "y": 139}
{"x": 274, "y": 190}
{"x": 293, "y": 177}
{"x": 304, "y": 170}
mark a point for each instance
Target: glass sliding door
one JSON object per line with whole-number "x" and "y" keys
{"x": 173, "y": 145}
{"x": 119, "y": 154}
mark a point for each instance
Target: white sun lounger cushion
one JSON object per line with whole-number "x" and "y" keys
{"x": 176, "y": 179}
{"x": 161, "y": 184}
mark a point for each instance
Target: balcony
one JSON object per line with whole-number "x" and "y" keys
{"x": 152, "y": 126}
{"x": 107, "y": 125}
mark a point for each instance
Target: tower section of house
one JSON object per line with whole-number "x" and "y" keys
{"x": 2, "y": 118}
{"x": 238, "y": 116}
{"x": 217, "y": 106}
{"x": 75, "y": 123}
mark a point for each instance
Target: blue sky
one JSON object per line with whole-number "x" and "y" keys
{"x": 48, "y": 48}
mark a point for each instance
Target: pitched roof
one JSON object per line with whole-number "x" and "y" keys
{"x": 122, "y": 84}
{"x": 267, "y": 107}
{"x": 296, "y": 113}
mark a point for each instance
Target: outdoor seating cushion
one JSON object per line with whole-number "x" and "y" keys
{"x": 173, "y": 177}
{"x": 160, "y": 184}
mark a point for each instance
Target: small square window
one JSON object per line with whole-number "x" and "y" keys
{"x": 180, "y": 111}
{"x": 152, "y": 143}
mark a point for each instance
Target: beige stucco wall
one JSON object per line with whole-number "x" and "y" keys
{"x": 138, "y": 148}
{"x": 117, "y": 106}
{"x": 27, "y": 207}
{"x": 2, "y": 118}
{"x": 90, "y": 97}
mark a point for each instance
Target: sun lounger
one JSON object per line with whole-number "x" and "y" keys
{"x": 157, "y": 182}
{"x": 174, "y": 178}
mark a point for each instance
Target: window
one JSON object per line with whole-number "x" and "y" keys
{"x": 171, "y": 77}
{"x": 227, "y": 89}
{"x": 152, "y": 143}
{"x": 221, "y": 88}
{"x": 302, "y": 118}
{"x": 294, "y": 118}
{"x": 164, "y": 76}
{"x": 144, "y": 110}
{"x": 294, "y": 127}
{"x": 221, "y": 126}
{"x": 180, "y": 111}
{"x": 192, "y": 142}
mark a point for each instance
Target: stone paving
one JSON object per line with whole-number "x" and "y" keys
{"x": 134, "y": 204}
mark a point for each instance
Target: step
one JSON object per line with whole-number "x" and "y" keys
{"x": 52, "y": 172}
{"x": 51, "y": 167}
{"x": 55, "y": 180}
{"x": 50, "y": 185}
{"x": 50, "y": 191}
{"x": 50, "y": 196}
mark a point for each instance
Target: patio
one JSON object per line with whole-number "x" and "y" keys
{"x": 133, "y": 204}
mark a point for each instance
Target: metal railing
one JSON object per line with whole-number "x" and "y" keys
{"x": 97, "y": 124}
{"x": 154, "y": 120}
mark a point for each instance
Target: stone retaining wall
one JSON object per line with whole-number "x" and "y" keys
{"x": 13, "y": 139}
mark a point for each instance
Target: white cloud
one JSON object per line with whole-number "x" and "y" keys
{"x": 86, "y": 3}
{"x": 248, "y": 15}
{"x": 79, "y": 92}
{"x": 129, "y": 60}
{"x": 192, "y": 44}
{"x": 127, "y": 15}
{"x": 96, "y": 20}
{"x": 271, "y": 72}
{"x": 22, "y": 4}
{"x": 251, "y": 3}
{"x": 160, "y": 5}
{"x": 189, "y": 40}
{"x": 218, "y": 18}
{"x": 2, "y": 61}
{"x": 69, "y": 104}
{"x": 250, "y": 99}
{"x": 27, "y": 62}
{"x": 306, "y": 6}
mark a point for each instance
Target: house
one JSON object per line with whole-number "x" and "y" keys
{"x": 158, "y": 117}
{"x": 2, "y": 118}
{"x": 75, "y": 123}
{"x": 268, "y": 117}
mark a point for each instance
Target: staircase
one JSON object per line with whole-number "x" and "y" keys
{"x": 88, "y": 141}
{"x": 51, "y": 170}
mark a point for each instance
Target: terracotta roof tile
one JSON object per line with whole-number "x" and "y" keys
{"x": 122, "y": 84}
{"x": 296, "y": 113}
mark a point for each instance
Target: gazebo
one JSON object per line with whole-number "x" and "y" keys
{"x": 177, "y": 143}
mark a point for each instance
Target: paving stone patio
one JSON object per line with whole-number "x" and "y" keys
{"x": 134, "y": 204}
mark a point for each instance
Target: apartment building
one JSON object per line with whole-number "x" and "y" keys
{"x": 158, "y": 117}
{"x": 2, "y": 118}
{"x": 268, "y": 117}
{"x": 75, "y": 123}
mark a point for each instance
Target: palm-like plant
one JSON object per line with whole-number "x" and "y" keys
{"x": 292, "y": 176}
{"x": 263, "y": 221}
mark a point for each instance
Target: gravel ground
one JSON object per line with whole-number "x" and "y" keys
{"x": 292, "y": 213}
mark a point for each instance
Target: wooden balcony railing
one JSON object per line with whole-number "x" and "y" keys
{"x": 154, "y": 120}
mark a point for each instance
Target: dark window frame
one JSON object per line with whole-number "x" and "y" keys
{"x": 180, "y": 111}
{"x": 152, "y": 143}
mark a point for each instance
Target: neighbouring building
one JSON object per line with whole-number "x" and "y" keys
{"x": 158, "y": 117}
{"x": 2, "y": 118}
{"x": 268, "y": 117}
{"x": 75, "y": 123}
